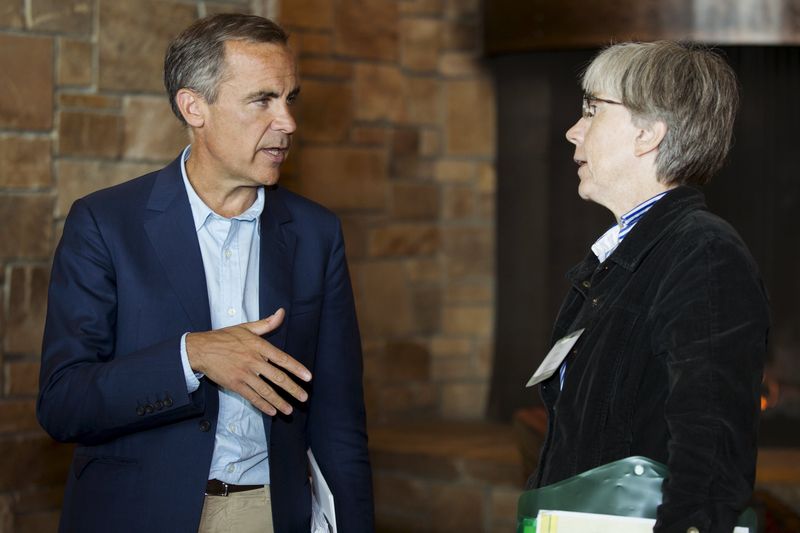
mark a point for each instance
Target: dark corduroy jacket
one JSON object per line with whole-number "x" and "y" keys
{"x": 669, "y": 366}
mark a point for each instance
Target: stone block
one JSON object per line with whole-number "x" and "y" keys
{"x": 472, "y": 320}
{"x": 430, "y": 142}
{"x": 383, "y": 299}
{"x": 132, "y": 39}
{"x": 370, "y": 135}
{"x": 487, "y": 178}
{"x": 355, "y": 236}
{"x": 74, "y": 66}
{"x": 315, "y": 14}
{"x": 455, "y": 171}
{"x": 465, "y": 401}
{"x": 63, "y": 16}
{"x": 405, "y": 141}
{"x": 25, "y": 231}
{"x": 420, "y": 40}
{"x": 25, "y": 162}
{"x": 39, "y": 499}
{"x": 411, "y": 400}
{"x": 458, "y": 203}
{"x": 21, "y": 378}
{"x": 84, "y": 101}
{"x": 461, "y": 8}
{"x": 455, "y": 369}
{"x": 451, "y": 347}
{"x": 11, "y": 14}
{"x": 424, "y": 270}
{"x": 469, "y": 251}
{"x": 486, "y": 206}
{"x": 37, "y": 522}
{"x": 26, "y": 86}
{"x": 311, "y": 44}
{"x": 462, "y": 35}
{"x": 472, "y": 292}
{"x": 35, "y": 458}
{"x": 344, "y": 178}
{"x": 420, "y": 7}
{"x": 406, "y": 360}
{"x": 151, "y": 131}
{"x": 27, "y": 304}
{"x": 428, "y": 309}
{"x": 89, "y": 134}
{"x": 17, "y": 416}
{"x": 415, "y": 201}
{"x": 412, "y": 167}
{"x": 325, "y": 111}
{"x": 397, "y": 240}
{"x": 470, "y": 118}
{"x": 461, "y": 64}
{"x": 455, "y": 507}
{"x": 380, "y": 92}
{"x": 398, "y": 496}
{"x": 214, "y": 8}
{"x": 503, "y": 501}
{"x": 366, "y": 29}
{"x": 324, "y": 68}
{"x": 423, "y": 101}
{"x": 79, "y": 178}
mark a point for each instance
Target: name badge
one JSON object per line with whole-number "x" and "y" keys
{"x": 555, "y": 357}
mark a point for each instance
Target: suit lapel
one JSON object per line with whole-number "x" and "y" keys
{"x": 172, "y": 233}
{"x": 277, "y": 263}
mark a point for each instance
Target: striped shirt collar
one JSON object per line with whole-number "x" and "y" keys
{"x": 608, "y": 242}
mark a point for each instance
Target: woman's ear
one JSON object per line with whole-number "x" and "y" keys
{"x": 192, "y": 106}
{"x": 649, "y": 137}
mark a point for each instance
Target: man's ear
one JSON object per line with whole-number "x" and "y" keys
{"x": 192, "y": 106}
{"x": 649, "y": 137}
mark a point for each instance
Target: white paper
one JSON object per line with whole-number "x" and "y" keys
{"x": 323, "y": 511}
{"x": 554, "y": 357}
{"x": 572, "y": 522}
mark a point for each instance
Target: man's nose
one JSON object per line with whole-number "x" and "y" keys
{"x": 575, "y": 133}
{"x": 284, "y": 121}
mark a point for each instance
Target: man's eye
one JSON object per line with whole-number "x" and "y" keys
{"x": 291, "y": 100}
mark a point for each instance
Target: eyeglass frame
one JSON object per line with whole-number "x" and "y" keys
{"x": 587, "y": 108}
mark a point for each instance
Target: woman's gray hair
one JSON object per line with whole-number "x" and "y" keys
{"x": 688, "y": 87}
{"x": 195, "y": 59}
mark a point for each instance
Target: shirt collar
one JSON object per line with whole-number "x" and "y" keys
{"x": 608, "y": 242}
{"x": 201, "y": 211}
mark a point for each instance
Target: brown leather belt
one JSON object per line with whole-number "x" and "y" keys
{"x": 215, "y": 487}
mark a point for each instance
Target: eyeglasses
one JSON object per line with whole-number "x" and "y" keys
{"x": 589, "y": 109}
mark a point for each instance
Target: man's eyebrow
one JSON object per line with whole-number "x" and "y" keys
{"x": 267, "y": 95}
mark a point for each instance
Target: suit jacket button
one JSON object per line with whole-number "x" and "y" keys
{"x": 159, "y": 405}
{"x": 140, "y": 411}
{"x": 167, "y": 402}
{"x": 205, "y": 425}
{"x": 148, "y": 408}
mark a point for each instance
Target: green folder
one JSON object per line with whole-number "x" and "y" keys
{"x": 628, "y": 487}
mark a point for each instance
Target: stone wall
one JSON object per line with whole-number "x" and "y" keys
{"x": 396, "y": 135}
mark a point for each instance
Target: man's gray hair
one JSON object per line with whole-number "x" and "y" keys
{"x": 688, "y": 87}
{"x": 195, "y": 59}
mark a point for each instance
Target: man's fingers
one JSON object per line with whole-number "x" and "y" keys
{"x": 265, "y": 325}
{"x": 285, "y": 361}
{"x": 267, "y": 397}
{"x": 281, "y": 379}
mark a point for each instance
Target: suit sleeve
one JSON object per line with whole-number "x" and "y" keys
{"x": 337, "y": 419}
{"x": 711, "y": 326}
{"x": 89, "y": 393}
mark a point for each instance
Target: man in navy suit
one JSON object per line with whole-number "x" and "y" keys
{"x": 201, "y": 333}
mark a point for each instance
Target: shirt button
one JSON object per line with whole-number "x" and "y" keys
{"x": 232, "y": 428}
{"x": 227, "y": 253}
{"x": 595, "y": 302}
{"x": 692, "y": 530}
{"x": 586, "y": 284}
{"x": 232, "y": 468}
{"x": 231, "y": 311}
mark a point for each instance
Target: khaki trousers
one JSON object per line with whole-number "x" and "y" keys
{"x": 239, "y": 512}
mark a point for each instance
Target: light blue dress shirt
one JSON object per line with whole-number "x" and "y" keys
{"x": 230, "y": 251}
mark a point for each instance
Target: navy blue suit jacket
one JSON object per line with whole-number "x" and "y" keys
{"x": 127, "y": 282}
